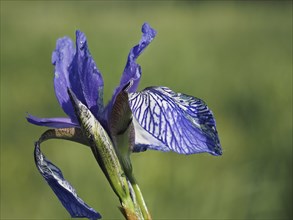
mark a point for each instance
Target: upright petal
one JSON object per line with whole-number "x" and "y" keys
{"x": 165, "y": 120}
{"x": 85, "y": 79}
{"x": 76, "y": 69}
{"x": 62, "y": 58}
{"x": 62, "y": 188}
{"x": 132, "y": 72}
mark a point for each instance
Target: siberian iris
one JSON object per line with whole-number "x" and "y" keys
{"x": 155, "y": 118}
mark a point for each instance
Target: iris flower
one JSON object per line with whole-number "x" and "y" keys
{"x": 155, "y": 118}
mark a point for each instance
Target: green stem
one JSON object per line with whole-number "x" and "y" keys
{"x": 139, "y": 198}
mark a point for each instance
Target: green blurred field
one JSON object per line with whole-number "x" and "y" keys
{"x": 235, "y": 56}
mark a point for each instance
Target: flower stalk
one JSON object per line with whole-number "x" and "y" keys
{"x": 122, "y": 132}
{"x": 105, "y": 154}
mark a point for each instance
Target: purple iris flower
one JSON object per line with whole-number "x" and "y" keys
{"x": 162, "y": 119}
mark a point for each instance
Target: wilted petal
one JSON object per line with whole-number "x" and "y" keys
{"x": 132, "y": 72}
{"x": 62, "y": 188}
{"x": 52, "y": 122}
{"x": 165, "y": 120}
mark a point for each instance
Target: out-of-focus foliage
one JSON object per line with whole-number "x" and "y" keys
{"x": 236, "y": 56}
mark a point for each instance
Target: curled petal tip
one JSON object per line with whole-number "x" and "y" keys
{"x": 147, "y": 29}
{"x": 217, "y": 151}
{"x": 80, "y": 39}
{"x": 64, "y": 50}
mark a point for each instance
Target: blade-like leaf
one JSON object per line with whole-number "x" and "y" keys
{"x": 165, "y": 120}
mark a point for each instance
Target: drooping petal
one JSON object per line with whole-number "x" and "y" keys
{"x": 52, "y": 122}
{"x": 76, "y": 69}
{"x": 165, "y": 120}
{"x": 132, "y": 72}
{"x": 62, "y": 188}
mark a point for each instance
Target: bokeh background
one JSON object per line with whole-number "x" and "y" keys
{"x": 237, "y": 56}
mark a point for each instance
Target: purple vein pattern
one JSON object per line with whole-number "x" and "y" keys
{"x": 168, "y": 121}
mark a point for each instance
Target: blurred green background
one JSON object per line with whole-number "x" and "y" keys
{"x": 236, "y": 56}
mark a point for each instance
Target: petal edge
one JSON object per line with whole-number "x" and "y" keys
{"x": 52, "y": 122}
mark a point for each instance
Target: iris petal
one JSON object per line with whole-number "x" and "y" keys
{"x": 85, "y": 79}
{"x": 52, "y": 122}
{"x": 165, "y": 120}
{"x": 132, "y": 72}
{"x": 64, "y": 191}
{"x": 62, "y": 58}
{"x": 76, "y": 69}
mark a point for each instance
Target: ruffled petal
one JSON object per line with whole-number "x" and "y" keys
{"x": 76, "y": 207}
{"x": 169, "y": 121}
{"x": 76, "y": 69}
{"x": 52, "y": 122}
{"x": 132, "y": 72}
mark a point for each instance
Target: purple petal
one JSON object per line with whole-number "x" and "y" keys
{"x": 62, "y": 58}
{"x": 76, "y": 207}
{"x": 132, "y": 72}
{"x": 77, "y": 70}
{"x": 165, "y": 120}
{"x": 52, "y": 122}
{"x": 85, "y": 79}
